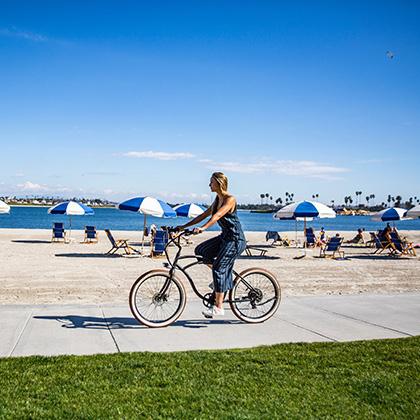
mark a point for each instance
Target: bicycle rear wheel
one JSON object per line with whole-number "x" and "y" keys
{"x": 255, "y": 298}
{"x": 157, "y": 299}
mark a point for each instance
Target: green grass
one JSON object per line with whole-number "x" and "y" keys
{"x": 358, "y": 379}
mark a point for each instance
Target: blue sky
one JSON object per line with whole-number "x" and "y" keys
{"x": 117, "y": 99}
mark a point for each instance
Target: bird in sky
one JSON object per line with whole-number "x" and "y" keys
{"x": 390, "y": 55}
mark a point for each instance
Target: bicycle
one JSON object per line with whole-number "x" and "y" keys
{"x": 158, "y": 297}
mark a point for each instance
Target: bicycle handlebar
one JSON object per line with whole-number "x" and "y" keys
{"x": 184, "y": 232}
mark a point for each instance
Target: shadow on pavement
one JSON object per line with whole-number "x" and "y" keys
{"x": 258, "y": 257}
{"x": 91, "y": 255}
{"x": 31, "y": 241}
{"x": 96, "y": 323}
{"x": 378, "y": 257}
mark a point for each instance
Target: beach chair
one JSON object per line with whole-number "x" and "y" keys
{"x": 254, "y": 251}
{"x": 159, "y": 242}
{"x": 402, "y": 246}
{"x": 310, "y": 239}
{"x": 273, "y": 236}
{"x": 91, "y": 235}
{"x": 382, "y": 244}
{"x": 119, "y": 244}
{"x": 276, "y": 239}
{"x": 58, "y": 233}
{"x": 332, "y": 247}
{"x": 371, "y": 242}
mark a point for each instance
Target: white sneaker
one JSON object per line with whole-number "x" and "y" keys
{"x": 213, "y": 311}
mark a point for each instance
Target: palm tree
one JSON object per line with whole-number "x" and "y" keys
{"x": 262, "y": 198}
{"x": 367, "y": 200}
{"x": 398, "y": 199}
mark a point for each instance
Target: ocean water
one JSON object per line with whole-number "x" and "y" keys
{"x": 114, "y": 219}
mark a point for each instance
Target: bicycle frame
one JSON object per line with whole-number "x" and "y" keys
{"x": 173, "y": 266}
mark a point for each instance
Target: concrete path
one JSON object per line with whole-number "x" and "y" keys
{"x": 72, "y": 329}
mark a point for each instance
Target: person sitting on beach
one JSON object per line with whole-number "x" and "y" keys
{"x": 385, "y": 236}
{"x": 358, "y": 239}
{"x": 322, "y": 240}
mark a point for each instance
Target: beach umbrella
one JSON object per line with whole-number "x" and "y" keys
{"x": 4, "y": 208}
{"x": 414, "y": 212}
{"x": 148, "y": 206}
{"x": 71, "y": 208}
{"x": 304, "y": 210}
{"x": 188, "y": 210}
{"x": 390, "y": 215}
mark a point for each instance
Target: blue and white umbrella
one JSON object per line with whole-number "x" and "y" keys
{"x": 4, "y": 208}
{"x": 148, "y": 206}
{"x": 414, "y": 212}
{"x": 390, "y": 215}
{"x": 71, "y": 208}
{"x": 188, "y": 210}
{"x": 305, "y": 210}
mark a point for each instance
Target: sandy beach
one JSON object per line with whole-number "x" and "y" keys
{"x": 36, "y": 271}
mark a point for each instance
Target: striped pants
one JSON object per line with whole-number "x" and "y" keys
{"x": 222, "y": 254}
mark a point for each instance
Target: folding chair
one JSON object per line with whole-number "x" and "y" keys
{"x": 402, "y": 246}
{"x": 310, "y": 239}
{"x": 159, "y": 242}
{"x": 333, "y": 247}
{"x": 91, "y": 235}
{"x": 119, "y": 244}
{"x": 276, "y": 238}
{"x": 382, "y": 244}
{"x": 58, "y": 233}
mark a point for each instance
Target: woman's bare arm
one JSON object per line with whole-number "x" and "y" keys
{"x": 199, "y": 218}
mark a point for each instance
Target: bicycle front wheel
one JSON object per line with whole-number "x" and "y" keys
{"x": 255, "y": 295}
{"x": 157, "y": 299}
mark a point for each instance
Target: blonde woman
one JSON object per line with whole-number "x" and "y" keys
{"x": 221, "y": 251}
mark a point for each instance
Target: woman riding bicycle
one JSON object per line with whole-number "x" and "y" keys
{"x": 221, "y": 251}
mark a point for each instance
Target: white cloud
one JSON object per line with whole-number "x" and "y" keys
{"x": 305, "y": 168}
{"x": 173, "y": 197}
{"x": 159, "y": 155}
{"x": 13, "y": 32}
{"x": 31, "y": 186}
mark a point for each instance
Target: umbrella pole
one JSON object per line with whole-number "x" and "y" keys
{"x": 144, "y": 227}
{"x": 304, "y": 236}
